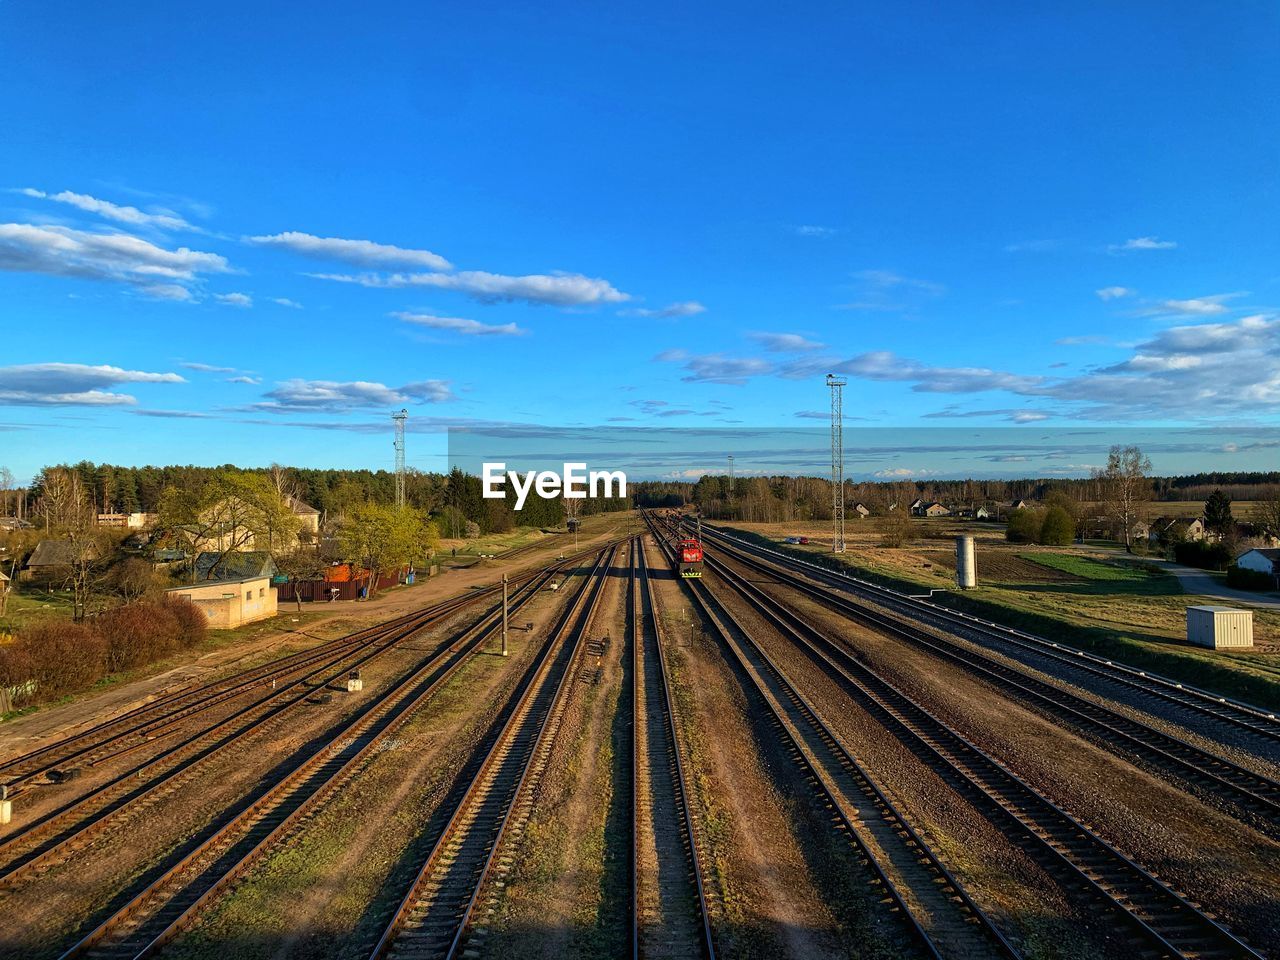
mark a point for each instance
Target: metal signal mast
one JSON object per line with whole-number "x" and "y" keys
{"x": 731, "y": 477}
{"x": 837, "y": 461}
{"x": 399, "y": 419}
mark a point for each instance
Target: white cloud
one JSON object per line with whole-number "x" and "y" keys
{"x": 1142, "y": 243}
{"x": 205, "y": 367}
{"x": 119, "y": 257}
{"x": 883, "y": 365}
{"x": 1114, "y": 293}
{"x": 361, "y": 253}
{"x": 717, "y": 368}
{"x": 244, "y": 378}
{"x": 167, "y": 291}
{"x": 165, "y": 220}
{"x": 685, "y": 308}
{"x": 1196, "y": 306}
{"x": 1083, "y": 340}
{"x": 813, "y": 230}
{"x": 560, "y": 289}
{"x": 1018, "y": 415}
{"x": 234, "y": 299}
{"x": 887, "y": 290}
{"x": 470, "y": 328}
{"x": 342, "y": 397}
{"x": 286, "y": 302}
{"x": 71, "y": 384}
{"x": 786, "y": 342}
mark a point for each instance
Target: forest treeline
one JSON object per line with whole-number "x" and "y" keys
{"x": 453, "y": 500}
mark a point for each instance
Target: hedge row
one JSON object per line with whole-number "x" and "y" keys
{"x": 52, "y": 660}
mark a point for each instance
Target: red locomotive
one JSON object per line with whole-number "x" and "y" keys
{"x": 690, "y": 559}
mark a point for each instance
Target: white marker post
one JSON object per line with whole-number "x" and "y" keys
{"x": 504, "y": 614}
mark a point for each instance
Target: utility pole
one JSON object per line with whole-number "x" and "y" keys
{"x": 837, "y": 461}
{"x": 399, "y": 419}
{"x": 731, "y": 478}
{"x": 504, "y": 614}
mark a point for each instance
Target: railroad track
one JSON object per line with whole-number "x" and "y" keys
{"x": 1242, "y": 790}
{"x": 436, "y": 913}
{"x": 1237, "y": 714}
{"x": 931, "y": 908}
{"x": 155, "y": 915}
{"x": 144, "y": 724}
{"x": 669, "y": 915}
{"x": 1156, "y": 920}
{"x": 67, "y": 829}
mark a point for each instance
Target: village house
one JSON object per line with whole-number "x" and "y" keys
{"x": 1177, "y": 530}
{"x": 917, "y": 507}
{"x": 1021, "y": 505}
{"x": 238, "y": 565}
{"x": 861, "y": 510}
{"x": 230, "y": 603}
{"x": 1262, "y": 560}
{"x": 935, "y": 509}
{"x": 308, "y": 516}
{"x": 54, "y": 558}
{"x": 982, "y": 513}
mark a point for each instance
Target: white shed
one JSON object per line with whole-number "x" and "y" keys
{"x": 1219, "y": 628}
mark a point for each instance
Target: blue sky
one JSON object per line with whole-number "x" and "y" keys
{"x": 248, "y": 234}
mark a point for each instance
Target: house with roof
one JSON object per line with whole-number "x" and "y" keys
{"x": 1263, "y": 560}
{"x": 982, "y": 513}
{"x": 1177, "y": 530}
{"x": 934, "y": 509}
{"x": 917, "y": 507}
{"x": 307, "y": 515}
{"x": 1021, "y": 505}
{"x": 56, "y": 558}
{"x": 234, "y": 565}
{"x": 861, "y": 509}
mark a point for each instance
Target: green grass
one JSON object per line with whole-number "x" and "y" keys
{"x": 1128, "y": 577}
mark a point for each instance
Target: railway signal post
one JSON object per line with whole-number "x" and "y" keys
{"x": 504, "y": 614}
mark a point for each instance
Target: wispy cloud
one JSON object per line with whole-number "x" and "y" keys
{"x": 786, "y": 342}
{"x": 1195, "y": 306}
{"x": 72, "y": 384}
{"x": 888, "y": 290}
{"x": 119, "y": 257}
{"x": 716, "y": 367}
{"x": 813, "y": 230}
{"x": 1114, "y": 293}
{"x": 1013, "y": 415}
{"x": 330, "y": 396}
{"x": 205, "y": 367}
{"x": 286, "y": 302}
{"x": 162, "y": 220}
{"x": 1083, "y": 340}
{"x": 560, "y": 289}
{"x": 1033, "y": 246}
{"x": 360, "y": 253}
{"x": 685, "y": 308}
{"x": 1142, "y": 243}
{"x": 244, "y": 378}
{"x": 234, "y": 299}
{"x": 469, "y": 328}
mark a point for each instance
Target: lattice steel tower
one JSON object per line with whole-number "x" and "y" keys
{"x": 399, "y": 419}
{"x": 731, "y": 478}
{"x": 837, "y": 461}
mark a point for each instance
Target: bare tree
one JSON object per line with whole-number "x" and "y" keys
{"x": 1267, "y": 511}
{"x": 6, "y": 490}
{"x": 1125, "y": 486}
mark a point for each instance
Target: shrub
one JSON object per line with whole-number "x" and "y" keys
{"x": 1024, "y": 526}
{"x": 1243, "y": 578}
{"x": 64, "y": 657}
{"x": 192, "y": 623}
{"x": 1206, "y": 556}
{"x": 1058, "y": 529}
{"x": 138, "y": 633}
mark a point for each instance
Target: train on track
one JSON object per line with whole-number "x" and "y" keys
{"x": 689, "y": 557}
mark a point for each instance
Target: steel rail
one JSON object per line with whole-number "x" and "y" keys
{"x": 937, "y": 878}
{"x": 522, "y": 720}
{"x": 1236, "y": 713}
{"x": 96, "y": 820}
{"x": 182, "y": 704}
{"x": 647, "y": 613}
{"x": 1169, "y": 923}
{"x": 259, "y": 823}
{"x": 1241, "y": 788}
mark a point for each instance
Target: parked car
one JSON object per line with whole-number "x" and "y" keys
{"x": 803, "y": 539}
{"x": 791, "y": 540}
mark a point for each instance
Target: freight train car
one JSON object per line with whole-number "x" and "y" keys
{"x": 689, "y": 557}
